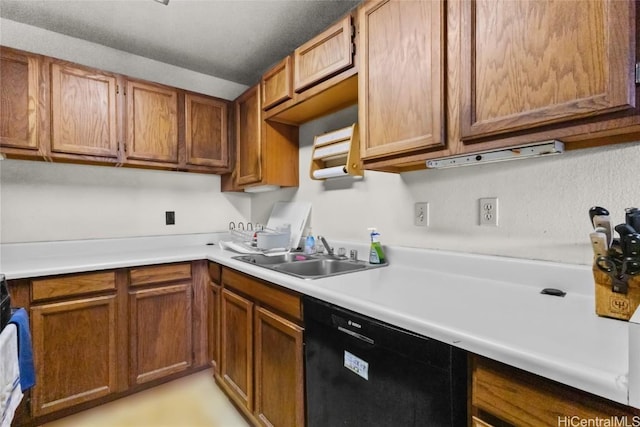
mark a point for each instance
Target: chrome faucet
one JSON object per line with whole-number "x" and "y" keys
{"x": 326, "y": 245}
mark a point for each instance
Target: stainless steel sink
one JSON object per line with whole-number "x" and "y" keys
{"x": 319, "y": 267}
{"x": 260, "y": 259}
{"x": 308, "y": 266}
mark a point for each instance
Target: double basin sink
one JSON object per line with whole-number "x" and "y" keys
{"x": 308, "y": 266}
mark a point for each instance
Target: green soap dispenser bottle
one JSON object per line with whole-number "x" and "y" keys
{"x": 376, "y": 254}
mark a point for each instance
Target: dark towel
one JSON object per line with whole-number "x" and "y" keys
{"x": 25, "y": 353}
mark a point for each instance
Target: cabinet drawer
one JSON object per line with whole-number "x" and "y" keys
{"x": 159, "y": 273}
{"x": 525, "y": 399}
{"x": 72, "y": 285}
{"x": 286, "y": 302}
{"x": 323, "y": 56}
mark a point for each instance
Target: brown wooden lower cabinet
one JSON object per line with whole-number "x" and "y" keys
{"x": 160, "y": 331}
{"x": 214, "y": 295}
{"x": 102, "y": 335}
{"x": 279, "y": 376}
{"x": 502, "y": 395}
{"x": 236, "y": 362}
{"x": 261, "y": 340}
{"x": 74, "y": 347}
{"x": 477, "y": 422}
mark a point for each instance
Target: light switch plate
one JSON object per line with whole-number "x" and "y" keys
{"x": 421, "y": 214}
{"x": 489, "y": 211}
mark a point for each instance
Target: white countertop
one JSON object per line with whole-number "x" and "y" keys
{"x": 490, "y": 306}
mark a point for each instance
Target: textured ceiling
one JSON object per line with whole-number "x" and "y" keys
{"x": 235, "y": 40}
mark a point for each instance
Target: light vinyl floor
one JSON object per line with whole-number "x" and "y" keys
{"x": 191, "y": 401}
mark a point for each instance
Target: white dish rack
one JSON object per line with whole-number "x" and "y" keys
{"x": 263, "y": 239}
{"x": 282, "y": 232}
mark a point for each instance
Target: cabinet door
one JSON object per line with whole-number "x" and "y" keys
{"x": 279, "y": 377}
{"x": 19, "y": 100}
{"x": 401, "y": 83}
{"x": 83, "y": 112}
{"x": 323, "y": 56}
{"x": 152, "y": 122}
{"x": 74, "y": 347}
{"x": 160, "y": 332}
{"x": 213, "y": 326}
{"x": 527, "y": 64}
{"x": 524, "y": 399}
{"x": 236, "y": 359}
{"x": 276, "y": 84}
{"x": 477, "y": 422}
{"x": 248, "y": 138}
{"x": 206, "y": 134}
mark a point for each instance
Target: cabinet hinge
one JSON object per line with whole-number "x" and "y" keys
{"x": 118, "y": 86}
{"x": 637, "y": 72}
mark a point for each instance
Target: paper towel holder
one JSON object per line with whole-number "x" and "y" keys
{"x": 336, "y": 154}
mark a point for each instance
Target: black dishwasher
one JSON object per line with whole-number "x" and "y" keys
{"x": 362, "y": 372}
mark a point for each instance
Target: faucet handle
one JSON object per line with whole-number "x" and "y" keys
{"x": 342, "y": 251}
{"x": 353, "y": 255}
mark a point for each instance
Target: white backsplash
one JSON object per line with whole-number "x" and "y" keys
{"x": 544, "y": 202}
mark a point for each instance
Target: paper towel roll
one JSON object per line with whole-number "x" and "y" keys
{"x": 330, "y": 172}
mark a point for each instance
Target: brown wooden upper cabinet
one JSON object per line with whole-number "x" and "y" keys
{"x": 276, "y": 84}
{"x": 152, "y": 122}
{"x": 59, "y": 111}
{"x": 318, "y": 78}
{"x": 19, "y": 99}
{"x": 83, "y": 111}
{"x": 206, "y": 136}
{"x": 401, "y": 82}
{"x": 248, "y": 137}
{"x": 327, "y": 54}
{"x": 529, "y": 64}
{"x": 266, "y": 152}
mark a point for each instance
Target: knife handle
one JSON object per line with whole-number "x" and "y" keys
{"x": 631, "y": 245}
{"x": 597, "y": 210}
{"x": 598, "y": 243}
{"x": 624, "y": 230}
{"x": 604, "y": 222}
{"x": 632, "y": 218}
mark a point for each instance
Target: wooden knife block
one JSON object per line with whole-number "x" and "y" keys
{"x": 614, "y": 304}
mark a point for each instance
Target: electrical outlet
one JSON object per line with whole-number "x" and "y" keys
{"x": 421, "y": 214}
{"x": 489, "y": 211}
{"x": 170, "y": 217}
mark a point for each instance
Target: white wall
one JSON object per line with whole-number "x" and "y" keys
{"x": 543, "y": 203}
{"x": 51, "y": 201}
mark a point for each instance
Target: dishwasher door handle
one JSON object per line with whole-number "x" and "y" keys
{"x": 356, "y": 335}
